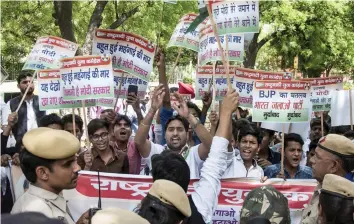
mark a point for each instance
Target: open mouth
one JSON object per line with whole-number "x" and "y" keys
{"x": 296, "y": 160}
{"x": 175, "y": 140}
{"x": 247, "y": 153}
{"x": 123, "y": 133}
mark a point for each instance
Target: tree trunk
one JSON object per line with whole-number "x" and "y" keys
{"x": 63, "y": 18}
{"x": 251, "y": 53}
{"x": 95, "y": 22}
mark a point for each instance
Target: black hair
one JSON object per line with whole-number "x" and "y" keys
{"x": 125, "y": 118}
{"x": 158, "y": 212}
{"x": 181, "y": 119}
{"x": 317, "y": 122}
{"x": 192, "y": 105}
{"x": 95, "y": 125}
{"x": 250, "y": 130}
{"x": 258, "y": 220}
{"x": 173, "y": 89}
{"x": 49, "y": 119}
{"x": 267, "y": 131}
{"x": 312, "y": 146}
{"x": 340, "y": 130}
{"x": 347, "y": 163}
{"x": 30, "y": 162}
{"x": 69, "y": 119}
{"x": 349, "y": 134}
{"x": 171, "y": 166}
{"x": 237, "y": 125}
{"x": 24, "y": 74}
{"x": 28, "y": 218}
{"x": 336, "y": 209}
{"x": 293, "y": 137}
{"x": 106, "y": 111}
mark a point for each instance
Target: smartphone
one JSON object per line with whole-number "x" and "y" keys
{"x": 133, "y": 89}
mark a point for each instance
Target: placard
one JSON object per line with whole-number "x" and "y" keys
{"x": 87, "y": 77}
{"x": 340, "y": 104}
{"x": 131, "y": 53}
{"x": 48, "y": 51}
{"x": 190, "y": 40}
{"x": 209, "y": 50}
{"x": 126, "y": 192}
{"x": 50, "y": 92}
{"x": 281, "y": 101}
{"x": 245, "y": 78}
{"x": 235, "y": 16}
{"x": 322, "y": 90}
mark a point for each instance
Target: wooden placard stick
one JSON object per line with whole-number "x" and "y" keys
{"x": 214, "y": 90}
{"x": 87, "y": 142}
{"x": 175, "y": 65}
{"x": 119, "y": 88}
{"x": 73, "y": 116}
{"x": 219, "y": 44}
{"x": 322, "y": 131}
{"x": 282, "y": 150}
{"x": 25, "y": 94}
{"x": 5, "y": 74}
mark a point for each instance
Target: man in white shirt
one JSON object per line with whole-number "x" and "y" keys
{"x": 175, "y": 135}
{"x": 204, "y": 198}
{"x": 28, "y": 114}
{"x": 244, "y": 164}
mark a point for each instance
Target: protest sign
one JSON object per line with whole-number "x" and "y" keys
{"x": 87, "y": 77}
{"x": 342, "y": 105}
{"x": 204, "y": 79}
{"x": 322, "y": 90}
{"x": 209, "y": 50}
{"x": 189, "y": 40}
{"x": 235, "y": 16}
{"x": 126, "y": 192}
{"x": 130, "y": 52}
{"x": 48, "y": 51}
{"x": 127, "y": 80}
{"x": 50, "y": 92}
{"x": 245, "y": 78}
{"x": 281, "y": 101}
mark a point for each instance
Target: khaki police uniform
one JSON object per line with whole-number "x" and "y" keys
{"x": 339, "y": 146}
{"x": 117, "y": 216}
{"x": 48, "y": 144}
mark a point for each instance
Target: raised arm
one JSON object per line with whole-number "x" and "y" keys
{"x": 202, "y": 133}
{"x": 208, "y": 188}
{"x": 134, "y": 101}
{"x": 207, "y": 100}
{"x": 140, "y": 140}
{"x": 214, "y": 119}
{"x": 161, "y": 66}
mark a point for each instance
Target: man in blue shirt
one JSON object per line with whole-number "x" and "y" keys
{"x": 292, "y": 156}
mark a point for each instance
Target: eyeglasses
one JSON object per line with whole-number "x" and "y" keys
{"x": 103, "y": 136}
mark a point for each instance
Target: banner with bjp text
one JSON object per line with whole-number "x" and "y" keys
{"x": 126, "y": 192}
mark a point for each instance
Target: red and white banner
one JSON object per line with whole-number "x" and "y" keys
{"x": 126, "y": 191}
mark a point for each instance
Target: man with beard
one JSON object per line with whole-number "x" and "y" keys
{"x": 334, "y": 155}
{"x": 102, "y": 156}
{"x": 28, "y": 114}
{"x": 292, "y": 154}
{"x": 175, "y": 134}
{"x": 49, "y": 164}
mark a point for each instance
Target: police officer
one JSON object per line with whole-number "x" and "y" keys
{"x": 49, "y": 164}
{"x": 334, "y": 155}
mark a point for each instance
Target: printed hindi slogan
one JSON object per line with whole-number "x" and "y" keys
{"x": 50, "y": 92}
{"x": 204, "y": 79}
{"x": 244, "y": 81}
{"x": 179, "y": 37}
{"x": 322, "y": 90}
{"x": 281, "y": 101}
{"x": 87, "y": 77}
{"x": 48, "y": 51}
{"x": 209, "y": 50}
{"x": 126, "y": 191}
{"x": 235, "y": 16}
{"x": 130, "y": 52}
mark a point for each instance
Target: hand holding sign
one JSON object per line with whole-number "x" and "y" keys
{"x": 230, "y": 102}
